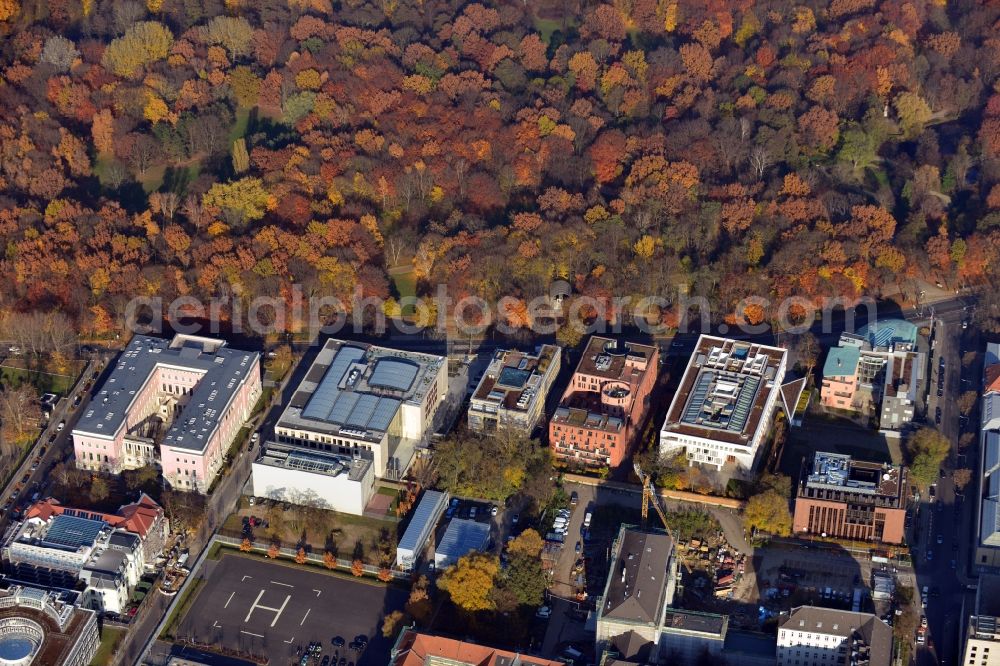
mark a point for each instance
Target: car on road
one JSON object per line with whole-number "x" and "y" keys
{"x": 514, "y": 519}
{"x": 923, "y": 621}
{"x": 929, "y": 555}
{"x": 937, "y": 414}
{"x": 574, "y": 498}
{"x": 326, "y": 660}
{"x": 472, "y": 513}
{"x": 62, "y": 424}
{"x": 953, "y": 564}
{"x": 940, "y": 539}
{"x": 579, "y": 547}
{"x": 494, "y": 510}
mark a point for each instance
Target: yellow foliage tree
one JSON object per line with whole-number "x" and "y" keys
{"x": 156, "y": 109}
{"x": 300, "y": 556}
{"x": 645, "y": 246}
{"x": 529, "y": 542}
{"x": 247, "y": 196}
{"x": 470, "y": 581}
{"x": 143, "y": 43}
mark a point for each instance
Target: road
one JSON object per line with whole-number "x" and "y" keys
{"x": 948, "y": 519}
{"x": 59, "y": 446}
{"x": 221, "y": 503}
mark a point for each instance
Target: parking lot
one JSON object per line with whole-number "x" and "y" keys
{"x": 262, "y": 608}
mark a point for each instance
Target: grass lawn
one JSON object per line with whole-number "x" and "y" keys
{"x": 546, "y": 27}
{"x": 406, "y": 285}
{"x": 101, "y": 166}
{"x": 240, "y": 126}
{"x": 189, "y": 594}
{"x": 153, "y": 178}
{"x": 44, "y": 381}
{"x": 110, "y": 638}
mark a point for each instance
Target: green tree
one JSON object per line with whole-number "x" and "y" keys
{"x": 525, "y": 580}
{"x": 246, "y": 197}
{"x": 493, "y": 467}
{"x": 470, "y": 581}
{"x": 913, "y": 113}
{"x": 858, "y": 148}
{"x": 245, "y": 86}
{"x": 927, "y": 449}
{"x": 231, "y": 32}
{"x": 768, "y": 512}
{"x": 142, "y": 43}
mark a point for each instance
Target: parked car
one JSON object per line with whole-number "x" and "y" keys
{"x": 543, "y": 612}
{"x": 574, "y": 498}
{"x": 62, "y": 424}
{"x": 494, "y": 510}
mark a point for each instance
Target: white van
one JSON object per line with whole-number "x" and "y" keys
{"x": 586, "y": 520}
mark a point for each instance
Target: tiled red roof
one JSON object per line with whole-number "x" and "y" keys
{"x": 992, "y": 378}
{"x": 415, "y": 647}
{"x": 138, "y": 517}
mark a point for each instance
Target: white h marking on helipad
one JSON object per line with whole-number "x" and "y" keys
{"x": 277, "y": 611}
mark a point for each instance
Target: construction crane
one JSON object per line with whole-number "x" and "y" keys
{"x": 649, "y": 496}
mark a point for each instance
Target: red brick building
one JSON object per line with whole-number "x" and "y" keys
{"x": 850, "y": 499}
{"x": 605, "y": 404}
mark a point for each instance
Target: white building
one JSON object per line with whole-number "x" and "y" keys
{"x": 175, "y": 403}
{"x": 814, "y": 636}
{"x": 988, "y": 545}
{"x": 981, "y": 638}
{"x": 421, "y": 528}
{"x": 315, "y": 478}
{"x": 511, "y": 395}
{"x": 722, "y": 411}
{"x": 66, "y": 549}
{"x": 360, "y": 397}
{"x": 41, "y": 627}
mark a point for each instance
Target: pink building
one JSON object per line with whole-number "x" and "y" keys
{"x": 174, "y": 403}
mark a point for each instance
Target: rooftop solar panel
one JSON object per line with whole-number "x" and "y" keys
{"x": 325, "y": 395}
{"x": 363, "y": 411}
{"x": 384, "y": 411}
{"x": 342, "y": 410}
{"x": 394, "y": 373}
{"x": 73, "y": 532}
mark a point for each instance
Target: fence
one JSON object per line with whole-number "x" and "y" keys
{"x": 672, "y": 495}
{"x": 291, "y": 553}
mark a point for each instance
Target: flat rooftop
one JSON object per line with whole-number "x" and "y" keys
{"x": 724, "y": 390}
{"x": 62, "y": 622}
{"x": 276, "y": 454}
{"x": 694, "y": 621}
{"x": 62, "y": 532}
{"x": 356, "y": 389}
{"x": 223, "y": 371}
{"x": 513, "y": 379}
{"x": 638, "y": 577}
{"x": 840, "y": 472}
{"x": 462, "y": 537}
{"x": 613, "y": 359}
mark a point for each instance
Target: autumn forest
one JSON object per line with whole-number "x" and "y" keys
{"x": 740, "y": 147}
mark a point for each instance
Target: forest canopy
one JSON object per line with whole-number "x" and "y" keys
{"x": 767, "y": 147}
